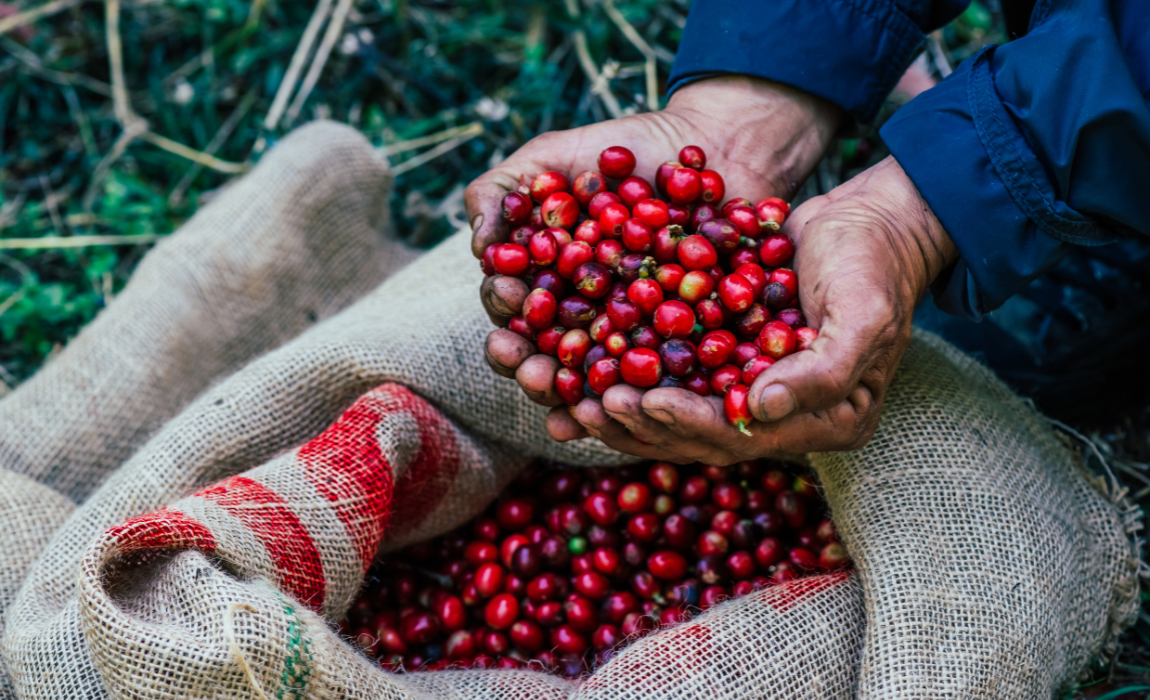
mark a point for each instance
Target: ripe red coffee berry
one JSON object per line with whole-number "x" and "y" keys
{"x": 548, "y": 183}
{"x": 750, "y": 323}
{"x": 725, "y": 377}
{"x": 644, "y": 527}
{"x": 754, "y": 368}
{"x": 560, "y": 210}
{"x": 776, "y": 250}
{"x": 567, "y": 640}
{"x": 518, "y": 324}
{"x": 527, "y": 636}
{"x": 653, "y": 212}
{"x": 609, "y": 253}
{"x": 460, "y": 646}
{"x": 693, "y": 157}
{"x": 419, "y": 628}
{"x": 741, "y": 565}
{"x": 501, "y": 611}
{"x": 744, "y": 219}
{"x": 539, "y": 309}
{"x": 510, "y": 259}
{"x": 727, "y": 495}
{"x": 715, "y": 347}
{"x": 736, "y": 408}
{"x": 804, "y": 337}
{"x": 754, "y": 274}
{"x": 587, "y": 184}
{"x": 709, "y": 314}
{"x": 634, "y": 190}
{"x": 481, "y": 552}
{"x": 607, "y": 561}
{"x": 569, "y": 385}
{"x": 600, "y": 328}
{"x": 514, "y": 514}
{"x": 574, "y": 346}
{"x": 777, "y": 340}
{"x": 601, "y": 200}
{"x": 673, "y": 319}
{"x": 736, "y": 293}
{"x": 663, "y": 172}
{"x": 604, "y": 374}
{"x": 489, "y": 579}
{"x": 602, "y": 508}
{"x": 516, "y": 208}
{"x": 646, "y": 294}
{"x": 542, "y": 248}
{"x": 713, "y": 187}
{"x": 571, "y": 257}
{"x": 641, "y": 367}
{"x": 712, "y": 543}
{"x": 696, "y": 253}
{"x": 617, "y": 162}
{"x": 617, "y": 343}
{"x": 638, "y": 236}
{"x": 684, "y": 186}
{"x": 451, "y": 613}
{"x": 696, "y": 286}
{"x": 581, "y": 613}
{"x": 634, "y": 498}
{"x": 803, "y": 560}
{"x": 667, "y": 565}
{"x": 664, "y": 477}
{"x": 772, "y": 212}
{"x": 666, "y": 247}
{"x": 612, "y": 219}
{"x": 589, "y": 232}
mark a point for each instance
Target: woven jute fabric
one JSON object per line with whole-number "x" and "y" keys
{"x": 292, "y": 243}
{"x": 29, "y": 514}
{"x": 992, "y": 567}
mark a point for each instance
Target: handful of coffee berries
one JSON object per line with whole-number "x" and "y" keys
{"x": 571, "y": 565}
{"x": 671, "y": 291}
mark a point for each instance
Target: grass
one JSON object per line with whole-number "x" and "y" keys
{"x": 119, "y": 118}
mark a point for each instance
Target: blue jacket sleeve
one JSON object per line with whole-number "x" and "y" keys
{"x": 1035, "y": 146}
{"x": 850, "y": 52}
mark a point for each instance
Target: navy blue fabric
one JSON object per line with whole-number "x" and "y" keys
{"x": 1025, "y": 150}
{"x": 851, "y": 52}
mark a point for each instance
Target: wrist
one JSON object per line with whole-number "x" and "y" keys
{"x": 919, "y": 235}
{"x": 781, "y": 130}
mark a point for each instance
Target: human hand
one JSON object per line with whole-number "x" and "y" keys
{"x": 866, "y": 253}
{"x": 763, "y": 137}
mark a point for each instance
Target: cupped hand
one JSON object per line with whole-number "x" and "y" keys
{"x": 764, "y": 138}
{"x": 866, "y": 253}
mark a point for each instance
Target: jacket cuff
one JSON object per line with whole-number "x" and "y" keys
{"x": 974, "y": 185}
{"x": 850, "y": 52}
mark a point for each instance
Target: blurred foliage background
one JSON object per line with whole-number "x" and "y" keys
{"x": 118, "y": 118}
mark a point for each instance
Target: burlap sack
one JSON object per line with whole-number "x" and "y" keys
{"x": 290, "y": 244}
{"x": 29, "y": 514}
{"x": 225, "y": 593}
{"x": 991, "y": 566}
{"x": 283, "y": 248}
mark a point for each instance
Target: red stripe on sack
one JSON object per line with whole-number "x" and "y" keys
{"x": 788, "y": 595}
{"x": 433, "y": 470}
{"x": 299, "y": 569}
{"x": 162, "y": 529}
{"x": 347, "y": 466}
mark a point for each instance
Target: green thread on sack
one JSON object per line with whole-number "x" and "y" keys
{"x": 297, "y": 664}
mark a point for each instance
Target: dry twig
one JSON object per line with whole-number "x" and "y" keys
{"x": 330, "y": 37}
{"x": 287, "y": 85}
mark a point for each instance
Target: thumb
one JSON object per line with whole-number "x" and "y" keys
{"x": 825, "y": 374}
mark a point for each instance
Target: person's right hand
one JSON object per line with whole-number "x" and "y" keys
{"x": 764, "y": 138}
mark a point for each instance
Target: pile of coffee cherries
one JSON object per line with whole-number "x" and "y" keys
{"x": 686, "y": 291}
{"x": 572, "y": 564}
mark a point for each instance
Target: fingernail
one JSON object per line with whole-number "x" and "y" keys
{"x": 660, "y": 415}
{"x": 624, "y": 419}
{"x": 477, "y": 224}
{"x": 777, "y": 402}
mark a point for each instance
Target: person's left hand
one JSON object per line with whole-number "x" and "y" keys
{"x": 867, "y": 252}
